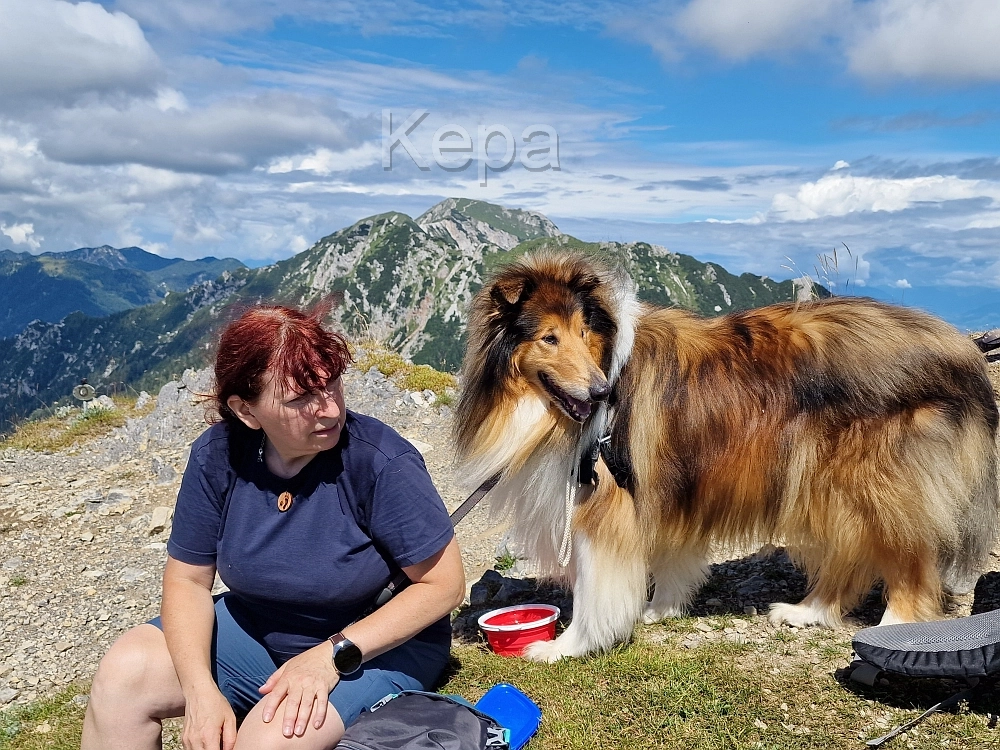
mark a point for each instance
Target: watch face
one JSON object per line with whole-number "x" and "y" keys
{"x": 347, "y": 657}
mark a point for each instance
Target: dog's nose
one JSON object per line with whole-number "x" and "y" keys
{"x": 600, "y": 391}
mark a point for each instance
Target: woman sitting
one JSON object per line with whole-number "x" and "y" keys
{"x": 306, "y": 511}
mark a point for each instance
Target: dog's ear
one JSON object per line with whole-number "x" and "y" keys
{"x": 508, "y": 292}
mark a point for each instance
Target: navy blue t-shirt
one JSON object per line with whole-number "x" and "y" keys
{"x": 360, "y": 511}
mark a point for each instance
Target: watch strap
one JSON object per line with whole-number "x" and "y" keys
{"x": 341, "y": 643}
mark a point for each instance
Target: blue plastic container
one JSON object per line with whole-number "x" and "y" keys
{"x": 513, "y": 710}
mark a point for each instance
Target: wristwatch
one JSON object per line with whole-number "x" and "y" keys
{"x": 346, "y": 654}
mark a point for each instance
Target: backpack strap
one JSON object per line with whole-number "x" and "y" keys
{"x": 943, "y": 705}
{"x": 864, "y": 672}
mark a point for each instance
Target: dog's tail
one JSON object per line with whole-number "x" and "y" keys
{"x": 979, "y": 526}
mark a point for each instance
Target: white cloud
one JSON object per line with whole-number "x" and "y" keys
{"x": 864, "y": 270}
{"x": 737, "y": 29}
{"x": 203, "y": 15}
{"x": 840, "y": 194}
{"x": 21, "y": 234}
{"x": 939, "y": 40}
{"x": 841, "y": 164}
{"x": 946, "y": 40}
{"x": 325, "y": 162}
{"x": 903, "y": 284}
{"x": 55, "y": 49}
{"x": 167, "y": 99}
{"x": 233, "y": 134}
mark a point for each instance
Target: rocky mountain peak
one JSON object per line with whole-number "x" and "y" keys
{"x": 105, "y": 255}
{"x": 471, "y": 224}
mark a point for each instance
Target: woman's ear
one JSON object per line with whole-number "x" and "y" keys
{"x": 241, "y": 409}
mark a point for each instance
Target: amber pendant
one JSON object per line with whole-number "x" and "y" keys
{"x": 284, "y": 501}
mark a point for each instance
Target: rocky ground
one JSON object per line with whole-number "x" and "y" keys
{"x": 83, "y": 541}
{"x": 83, "y": 531}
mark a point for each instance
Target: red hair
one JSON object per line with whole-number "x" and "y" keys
{"x": 291, "y": 343}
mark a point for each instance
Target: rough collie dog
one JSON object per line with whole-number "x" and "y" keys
{"x": 860, "y": 435}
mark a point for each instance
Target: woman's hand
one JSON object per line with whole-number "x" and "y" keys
{"x": 208, "y": 719}
{"x": 304, "y": 683}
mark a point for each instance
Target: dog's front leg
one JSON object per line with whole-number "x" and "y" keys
{"x": 608, "y": 597}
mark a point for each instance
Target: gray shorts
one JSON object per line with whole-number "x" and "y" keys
{"x": 241, "y": 664}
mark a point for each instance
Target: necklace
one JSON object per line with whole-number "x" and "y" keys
{"x": 286, "y": 497}
{"x": 284, "y": 501}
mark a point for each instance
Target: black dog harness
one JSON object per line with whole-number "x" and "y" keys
{"x": 588, "y": 464}
{"x": 620, "y": 469}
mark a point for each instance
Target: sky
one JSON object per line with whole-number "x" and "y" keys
{"x": 761, "y": 135}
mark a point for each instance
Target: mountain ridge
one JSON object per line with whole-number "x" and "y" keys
{"x": 407, "y": 282}
{"x": 96, "y": 281}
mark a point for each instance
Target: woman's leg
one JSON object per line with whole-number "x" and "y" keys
{"x": 415, "y": 665}
{"x": 254, "y": 734}
{"x": 134, "y": 688}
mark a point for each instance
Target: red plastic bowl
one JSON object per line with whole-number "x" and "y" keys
{"x": 511, "y": 629}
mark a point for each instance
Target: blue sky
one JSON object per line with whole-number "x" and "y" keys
{"x": 758, "y": 135}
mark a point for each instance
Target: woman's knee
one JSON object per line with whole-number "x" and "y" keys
{"x": 254, "y": 734}
{"x": 136, "y": 669}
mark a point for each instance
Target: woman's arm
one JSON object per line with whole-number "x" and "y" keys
{"x": 188, "y": 616}
{"x": 438, "y": 587}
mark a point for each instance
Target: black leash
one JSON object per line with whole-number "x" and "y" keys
{"x": 400, "y": 581}
{"x": 472, "y": 500}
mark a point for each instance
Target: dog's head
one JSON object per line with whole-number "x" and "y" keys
{"x": 545, "y": 322}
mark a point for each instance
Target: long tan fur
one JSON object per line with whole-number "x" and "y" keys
{"x": 861, "y": 435}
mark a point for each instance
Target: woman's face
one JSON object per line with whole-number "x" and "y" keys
{"x": 297, "y": 424}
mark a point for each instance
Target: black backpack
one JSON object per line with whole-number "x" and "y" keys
{"x": 415, "y": 720}
{"x": 966, "y": 648}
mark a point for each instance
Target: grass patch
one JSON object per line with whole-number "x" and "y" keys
{"x": 388, "y": 363}
{"x": 718, "y": 696}
{"x": 424, "y": 378}
{"x": 504, "y": 562}
{"x": 18, "y": 581}
{"x": 639, "y": 696}
{"x": 61, "y": 723}
{"x": 60, "y": 720}
{"x": 405, "y": 374}
{"x": 56, "y": 433}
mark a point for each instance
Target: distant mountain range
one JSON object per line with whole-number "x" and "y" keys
{"x": 95, "y": 281}
{"x": 404, "y": 281}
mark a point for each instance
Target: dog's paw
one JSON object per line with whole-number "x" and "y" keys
{"x": 651, "y": 614}
{"x": 801, "y": 615}
{"x": 889, "y": 617}
{"x": 544, "y": 651}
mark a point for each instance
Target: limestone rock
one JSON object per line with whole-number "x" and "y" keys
{"x": 159, "y": 520}
{"x": 421, "y": 446}
{"x": 162, "y": 470}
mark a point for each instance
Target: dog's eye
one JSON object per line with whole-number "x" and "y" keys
{"x": 550, "y": 339}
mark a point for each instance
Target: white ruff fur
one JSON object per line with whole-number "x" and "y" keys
{"x": 535, "y": 498}
{"x": 626, "y": 314}
{"x": 521, "y": 430}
